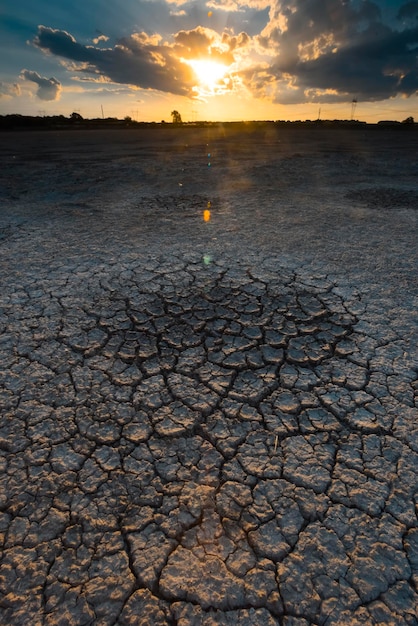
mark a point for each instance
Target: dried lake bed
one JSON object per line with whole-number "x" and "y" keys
{"x": 209, "y": 376}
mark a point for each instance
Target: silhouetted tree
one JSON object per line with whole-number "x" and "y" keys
{"x": 76, "y": 117}
{"x": 176, "y": 117}
{"x": 409, "y": 120}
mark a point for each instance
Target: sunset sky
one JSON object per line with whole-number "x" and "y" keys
{"x": 215, "y": 60}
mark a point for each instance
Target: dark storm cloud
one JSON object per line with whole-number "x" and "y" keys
{"x": 48, "y": 88}
{"x": 408, "y": 10}
{"x": 139, "y": 60}
{"x": 63, "y": 44}
{"x": 373, "y": 69}
{"x": 341, "y": 47}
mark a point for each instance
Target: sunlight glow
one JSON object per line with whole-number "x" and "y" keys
{"x": 208, "y": 73}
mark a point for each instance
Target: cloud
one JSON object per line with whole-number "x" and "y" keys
{"x": 227, "y": 6}
{"x": 236, "y": 42}
{"x": 178, "y": 13}
{"x": 206, "y": 43}
{"x": 142, "y": 60}
{"x": 320, "y": 47}
{"x": 100, "y": 38}
{"x": 8, "y": 90}
{"x": 48, "y": 88}
{"x": 409, "y": 10}
{"x": 238, "y": 5}
{"x": 301, "y": 50}
{"x": 139, "y": 59}
{"x": 198, "y": 40}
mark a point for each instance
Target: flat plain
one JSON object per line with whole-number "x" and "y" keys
{"x": 209, "y": 376}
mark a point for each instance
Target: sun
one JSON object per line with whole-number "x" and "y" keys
{"x": 208, "y": 73}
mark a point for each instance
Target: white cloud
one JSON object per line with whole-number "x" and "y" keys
{"x": 100, "y": 38}
{"x": 238, "y": 5}
{"x": 48, "y": 88}
{"x": 9, "y": 90}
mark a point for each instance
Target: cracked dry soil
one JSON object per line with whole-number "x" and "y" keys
{"x": 208, "y": 422}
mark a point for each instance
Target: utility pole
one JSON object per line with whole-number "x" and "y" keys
{"x": 353, "y": 108}
{"x": 102, "y": 111}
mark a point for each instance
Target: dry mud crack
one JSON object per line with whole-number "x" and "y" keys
{"x": 208, "y": 422}
{"x": 190, "y": 443}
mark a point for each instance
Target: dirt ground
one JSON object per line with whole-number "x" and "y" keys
{"x": 209, "y": 377}
{"x": 346, "y": 197}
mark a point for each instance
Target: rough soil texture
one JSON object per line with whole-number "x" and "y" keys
{"x": 209, "y": 422}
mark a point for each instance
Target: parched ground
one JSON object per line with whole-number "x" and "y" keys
{"x": 209, "y": 422}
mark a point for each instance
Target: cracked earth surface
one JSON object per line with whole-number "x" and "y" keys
{"x": 208, "y": 422}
